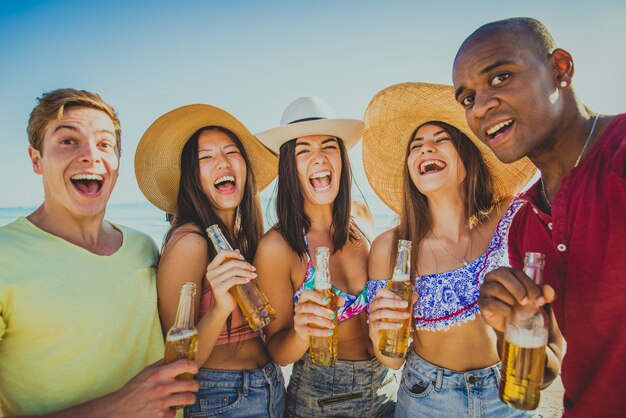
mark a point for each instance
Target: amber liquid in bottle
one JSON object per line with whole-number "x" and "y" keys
{"x": 181, "y": 341}
{"x": 524, "y": 348}
{"x": 323, "y": 350}
{"x": 249, "y": 297}
{"x": 395, "y": 343}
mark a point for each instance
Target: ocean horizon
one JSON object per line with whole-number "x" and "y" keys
{"x": 145, "y": 217}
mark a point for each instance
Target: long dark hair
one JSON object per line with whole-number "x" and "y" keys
{"x": 477, "y": 193}
{"x": 293, "y": 223}
{"x": 195, "y": 208}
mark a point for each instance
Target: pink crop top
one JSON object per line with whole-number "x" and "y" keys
{"x": 239, "y": 330}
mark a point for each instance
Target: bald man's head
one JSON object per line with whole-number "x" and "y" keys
{"x": 522, "y": 31}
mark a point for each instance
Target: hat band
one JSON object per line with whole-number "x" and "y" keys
{"x": 304, "y": 120}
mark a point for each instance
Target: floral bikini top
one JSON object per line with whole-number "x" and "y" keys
{"x": 353, "y": 305}
{"x": 451, "y": 298}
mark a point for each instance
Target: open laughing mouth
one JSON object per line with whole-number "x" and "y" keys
{"x": 88, "y": 184}
{"x": 225, "y": 184}
{"x": 431, "y": 166}
{"x": 499, "y": 129}
{"x": 321, "y": 180}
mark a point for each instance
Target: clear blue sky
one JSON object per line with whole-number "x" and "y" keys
{"x": 252, "y": 58}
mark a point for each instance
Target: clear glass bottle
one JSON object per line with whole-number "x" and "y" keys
{"x": 395, "y": 342}
{"x": 181, "y": 341}
{"x": 323, "y": 350}
{"x": 250, "y": 298}
{"x": 524, "y": 349}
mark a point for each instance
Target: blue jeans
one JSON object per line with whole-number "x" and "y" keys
{"x": 239, "y": 393}
{"x": 430, "y": 391}
{"x": 347, "y": 389}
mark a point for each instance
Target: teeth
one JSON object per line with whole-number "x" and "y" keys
{"x": 499, "y": 126}
{"x": 224, "y": 178}
{"x": 320, "y": 174}
{"x": 426, "y": 163}
{"x": 87, "y": 177}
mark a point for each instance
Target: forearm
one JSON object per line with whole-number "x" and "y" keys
{"x": 209, "y": 328}
{"x": 391, "y": 362}
{"x": 286, "y": 347}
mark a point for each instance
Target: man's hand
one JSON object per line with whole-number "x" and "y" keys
{"x": 505, "y": 287}
{"x": 155, "y": 391}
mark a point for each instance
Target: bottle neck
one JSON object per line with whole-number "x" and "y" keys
{"x": 184, "y": 315}
{"x": 219, "y": 240}
{"x": 402, "y": 270}
{"x": 322, "y": 273}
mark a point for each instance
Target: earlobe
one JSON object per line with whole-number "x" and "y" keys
{"x": 35, "y": 158}
{"x": 563, "y": 67}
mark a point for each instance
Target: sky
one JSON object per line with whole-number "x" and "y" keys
{"x": 252, "y": 58}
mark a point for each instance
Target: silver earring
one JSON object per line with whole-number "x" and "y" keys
{"x": 563, "y": 83}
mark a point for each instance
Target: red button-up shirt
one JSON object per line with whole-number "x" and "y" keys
{"x": 584, "y": 241}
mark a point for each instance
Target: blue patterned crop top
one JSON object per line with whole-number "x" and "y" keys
{"x": 451, "y": 298}
{"x": 352, "y": 306}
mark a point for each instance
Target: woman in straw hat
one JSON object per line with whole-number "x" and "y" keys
{"x": 453, "y": 198}
{"x": 313, "y": 209}
{"x": 201, "y": 164}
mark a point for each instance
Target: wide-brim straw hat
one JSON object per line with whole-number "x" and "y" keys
{"x": 311, "y": 116}
{"x": 157, "y": 160}
{"x": 391, "y": 118}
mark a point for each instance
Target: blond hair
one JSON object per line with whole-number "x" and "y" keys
{"x": 52, "y": 104}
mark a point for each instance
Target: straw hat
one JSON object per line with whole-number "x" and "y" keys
{"x": 311, "y": 116}
{"x": 157, "y": 160}
{"x": 394, "y": 114}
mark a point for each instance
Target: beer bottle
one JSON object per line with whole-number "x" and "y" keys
{"x": 181, "y": 341}
{"x": 250, "y": 298}
{"x": 524, "y": 349}
{"x": 395, "y": 342}
{"x": 323, "y": 350}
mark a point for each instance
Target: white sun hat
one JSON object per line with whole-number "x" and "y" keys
{"x": 311, "y": 116}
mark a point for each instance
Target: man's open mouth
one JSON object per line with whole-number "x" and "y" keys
{"x": 88, "y": 184}
{"x": 500, "y": 128}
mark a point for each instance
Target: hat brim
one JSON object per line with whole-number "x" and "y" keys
{"x": 348, "y": 130}
{"x": 157, "y": 159}
{"x": 391, "y": 118}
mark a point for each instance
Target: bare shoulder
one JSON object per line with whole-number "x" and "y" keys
{"x": 187, "y": 239}
{"x": 379, "y": 264}
{"x": 273, "y": 243}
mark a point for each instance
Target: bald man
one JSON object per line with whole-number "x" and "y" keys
{"x": 516, "y": 88}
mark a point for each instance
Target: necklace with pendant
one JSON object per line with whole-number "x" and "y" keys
{"x": 460, "y": 260}
{"x": 580, "y": 156}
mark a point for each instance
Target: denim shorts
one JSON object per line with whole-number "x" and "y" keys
{"x": 430, "y": 391}
{"x": 347, "y": 389}
{"x": 239, "y": 393}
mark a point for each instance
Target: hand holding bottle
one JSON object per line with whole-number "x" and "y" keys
{"x": 226, "y": 270}
{"x": 312, "y": 315}
{"x": 387, "y": 311}
{"x": 505, "y": 287}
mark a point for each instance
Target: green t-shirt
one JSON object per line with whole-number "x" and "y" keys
{"x": 74, "y": 325}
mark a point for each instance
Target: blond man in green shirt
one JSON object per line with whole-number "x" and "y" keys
{"x": 79, "y": 325}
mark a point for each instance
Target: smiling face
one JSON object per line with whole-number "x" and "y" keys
{"x": 433, "y": 161}
{"x": 223, "y": 171}
{"x": 509, "y": 92}
{"x": 318, "y": 163}
{"x": 79, "y": 162}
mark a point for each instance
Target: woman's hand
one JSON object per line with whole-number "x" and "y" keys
{"x": 312, "y": 316}
{"x": 226, "y": 270}
{"x": 386, "y": 305}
